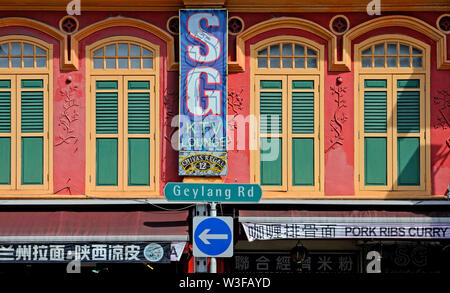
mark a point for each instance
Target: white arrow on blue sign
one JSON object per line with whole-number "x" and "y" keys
{"x": 213, "y": 236}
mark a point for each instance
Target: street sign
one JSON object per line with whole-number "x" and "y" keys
{"x": 213, "y": 236}
{"x": 212, "y": 192}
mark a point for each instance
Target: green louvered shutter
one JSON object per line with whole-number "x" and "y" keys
{"x": 5, "y": 131}
{"x": 138, "y": 107}
{"x": 375, "y": 106}
{"x": 271, "y": 107}
{"x": 32, "y": 121}
{"x": 139, "y": 123}
{"x": 106, "y": 107}
{"x": 375, "y": 121}
{"x": 302, "y": 96}
{"x": 408, "y": 121}
{"x": 408, "y": 107}
{"x": 106, "y": 122}
{"x": 271, "y": 118}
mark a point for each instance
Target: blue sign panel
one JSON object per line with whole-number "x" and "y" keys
{"x": 203, "y": 92}
{"x": 213, "y": 236}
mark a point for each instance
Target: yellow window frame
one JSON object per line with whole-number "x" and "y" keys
{"x": 393, "y": 190}
{"x": 287, "y": 190}
{"x": 16, "y": 189}
{"x": 123, "y": 76}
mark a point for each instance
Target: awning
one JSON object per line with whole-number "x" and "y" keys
{"x": 92, "y": 236}
{"x": 90, "y": 226}
{"x": 356, "y": 224}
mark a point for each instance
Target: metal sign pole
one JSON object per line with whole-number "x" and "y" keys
{"x": 201, "y": 263}
{"x": 213, "y": 262}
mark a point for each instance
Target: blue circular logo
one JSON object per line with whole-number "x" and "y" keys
{"x": 213, "y": 236}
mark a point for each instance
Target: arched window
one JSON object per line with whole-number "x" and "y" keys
{"x": 25, "y": 115}
{"x": 22, "y": 54}
{"x": 287, "y": 55}
{"x": 123, "y": 55}
{"x": 392, "y": 73}
{"x": 392, "y": 54}
{"x": 287, "y": 74}
{"x": 123, "y": 113}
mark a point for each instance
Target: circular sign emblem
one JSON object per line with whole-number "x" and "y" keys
{"x": 154, "y": 252}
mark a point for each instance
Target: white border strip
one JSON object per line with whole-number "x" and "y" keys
{"x": 95, "y": 238}
{"x": 140, "y": 201}
{"x": 334, "y": 220}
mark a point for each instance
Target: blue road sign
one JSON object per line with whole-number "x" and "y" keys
{"x": 213, "y": 236}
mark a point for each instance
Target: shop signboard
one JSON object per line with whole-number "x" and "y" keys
{"x": 203, "y": 92}
{"x": 271, "y": 231}
{"x": 154, "y": 252}
{"x": 280, "y": 261}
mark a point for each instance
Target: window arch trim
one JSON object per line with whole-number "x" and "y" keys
{"x": 90, "y": 49}
{"x": 401, "y": 39}
{"x": 35, "y": 42}
{"x": 254, "y": 48}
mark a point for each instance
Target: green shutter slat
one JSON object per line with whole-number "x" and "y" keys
{"x": 106, "y": 112}
{"x": 138, "y": 162}
{"x": 5, "y": 159}
{"x": 302, "y": 84}
{"x": 106, "y": 162}
{"x": 303, "y": 161}
{"x": 271, "y": 162}
{"x": 375, "y": 112}
{"x": 375, "y": 161}
{"x": 408, "y": 112}
{"x": 270, "y": 112}
{"x": 32, "y": 111}
{"x": 302, "y": 112}
{"x": 138, "y": 85}
{"x": 375, "y": 83}
{"x": 5, "y": 84}
{"x": 32, "y": 161}
{"x": 408, "y": 161}
{"x": 5, "y": 112}
{"x": 271, "y": 84}
{"x": 106, "y": 85}
{"x": 138, "y": 113}
{"x": 408, "y": 83}
{"x": 32, "y": 83}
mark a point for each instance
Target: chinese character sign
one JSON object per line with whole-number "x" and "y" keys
{"x": 91, "y": 252}
{"x": 270, "y": 231}
{"x": 203, "y": 92}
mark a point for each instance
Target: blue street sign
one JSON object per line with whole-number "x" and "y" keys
{"x": 213, "y": 236}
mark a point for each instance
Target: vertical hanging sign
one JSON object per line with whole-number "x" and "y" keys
{"x": 203, "y": 92}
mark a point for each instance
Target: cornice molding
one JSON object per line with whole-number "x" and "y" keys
{"x": 335, "y": 6}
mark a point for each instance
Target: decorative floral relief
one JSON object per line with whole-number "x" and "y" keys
{"x": 443, "y": 119}
{"x": 235, "y": 102}
{"x": 67, "y": 117}
{"x": 339, "y": 117}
